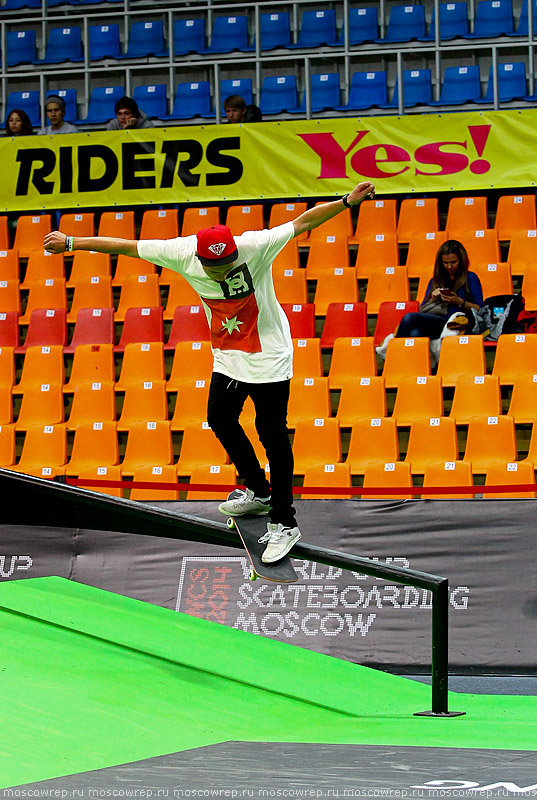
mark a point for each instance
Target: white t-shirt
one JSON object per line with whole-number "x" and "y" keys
{"x": 250, "y": 334}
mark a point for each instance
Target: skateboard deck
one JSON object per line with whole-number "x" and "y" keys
{"x": 250, "y": 528}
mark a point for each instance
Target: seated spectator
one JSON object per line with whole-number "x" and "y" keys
{"x": 128, "y": 115}
{"x": 236, "y": 110}
{"x": 55, "y": 111}
{"x": 18, "y": 123}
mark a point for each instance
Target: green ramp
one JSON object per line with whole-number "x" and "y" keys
{"x": 92, "y": 679}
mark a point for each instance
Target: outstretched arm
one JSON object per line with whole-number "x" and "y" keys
{"x": 315, "y": 216}
{"x": 56, "y": 242}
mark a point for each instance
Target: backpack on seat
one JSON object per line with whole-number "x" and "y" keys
{"x": 498, "y": 314}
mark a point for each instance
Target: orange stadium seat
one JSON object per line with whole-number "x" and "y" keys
{"x": 431, "y": 439}
{"x": 390, "y": 283}
{"x": 92, "y": 401}
{"x": 143, "y": 400}
{"x": 43, "y": 265}
{"x": 118, "y": 224}
{"x": 199, "y": 446}
{"x": 290, "y": 286}
{"x": 515, "y": 213}
{"x": 422, "y": 250}
{"x": 443, "y": 474}
{"x": 95, "y": 444}
{"x": 191, "y": 403}
{"x": 376, "y": 252}
{"x": 389, "y": 475}
{"x": 142, "y": 361}
{"x": 192, "y": 361}
{"x": 316, "y": 441}
{"x": 523, "y": 403}
{"x": 288, "y": 257}
{"x": 241, "y": 218}
{"x": 7, "y": 445}
{"x": 309, "y": 399}
{"x": 373, "y": 441}
{"x": 361, "y": 398}
{"x": 516, "y": 354}
{"x": 44, "y": 452}
{"x": 10, "y": 299}
{"x": 30, "y": 232}
{"x": 148, "y": 443}
{"x": 6, "y": 405}
{"x": 128, "y": 266}
{"x": 460, "y": 355}
{"x": 9, "y": 265}
{"x": 351, "y": 358}
{"x": 475, "y": 395}
{"x": 77, "y": 224}
{"x": 513, "y": 472}
{"x": 375, "y": 216}
{"x": 91, "y": 363}
{"x": 41, "y": 405}
{"x": 155, "y": 474}
{"x": 522, "y": 250}
{"x": 307, "y": 360}
{"x": 160, "y": 223}
{"x": 42, "y": 364}
{"x": 340, "y": 225}
{"x": 466, "y": 214}
{"x": 495, "y": 278}
{"x": 343, "y": 320}
{"x": 418, "y": 397}
{"x": 218, "y": 474}
{"x": 329, "y": 476}
{"x": 7, "y": 366}
{"x": 194, "y": 219}
{"x": 286, "y": 212}
{"x": 87, "y": 263}
{"x": 94, "y": 292}
{"x": 180, "y": 293}
{"x": 48, "y": 293}
{"x": 326, "y": 253}
{"x": 482, "y": 246}
{"x": 417, "y": 216}
{"x": 102, "y": 474}
{"x": 337, "y": 285}
{"x": 490, "y": 440}
{"x": 4, "y": 233}
{"x": 406, "y": 357}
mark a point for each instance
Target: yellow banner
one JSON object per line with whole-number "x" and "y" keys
{"x": 317, "y": 158}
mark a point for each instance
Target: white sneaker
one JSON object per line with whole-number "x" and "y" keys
{"x": 242, "y": 502}
{"x": 280, "y": 541}
{"x": 381, "y": 349}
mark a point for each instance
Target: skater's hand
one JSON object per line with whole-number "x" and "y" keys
{"x": 55, "y": 242}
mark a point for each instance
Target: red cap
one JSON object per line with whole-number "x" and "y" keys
{"x": 216, "y": 246}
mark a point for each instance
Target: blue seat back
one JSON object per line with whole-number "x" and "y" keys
{"x": 20, "y": 47}
{"x": 26, "y": 101}
{"x": 192, "y": 99}
{"x": 146, "y": 38}
{"x": 275, "y": 30}
{"x": 278, "y": 93}
{"x": 63, "y": 44}
{"x": 317, "y": 27}
{"x": 417, "y": 88}
{"x": 152, "y": 99}
{"x": 522, "y": 27}
{"x": 228, "y": 34}
{"x": 241, "y": 86}
{"x": 104, "y": 41}
{"x": 405, "y": 23}
{"x": 188, "y": 36}
{"x": 102, "y": 102}
{"x": 493, "y": 18}
{"x": 368, "y": 89}
{"x": 363, "y": 26}
{"x": 325, "y": 92}
{"x": 453, "y": 21}
{"x": 460, "y": 85}
{"x": 511, "y": 82}
{"x": 11, "y": 5}
{"x": 69, "y": 98}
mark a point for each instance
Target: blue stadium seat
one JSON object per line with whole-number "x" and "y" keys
{"x": 192, "y": 99}
{"x": 368, "y": 89}
{"x": 228, "y": 34}
{"x": 325, "y": 94}
{"x": 69, "y": 98}
{"x": 104, "y": 41}
{"x": 417, "y": 89}
{"x": 511, "y": 83}
{"x": 152, "y": 100}
{"x": 240, "y": 86}
{"x": 363, "y": 26}
{"x": 460, "y": 85}
{"x": 63, "y": 44}
{"x": 26, "y": 101}
{"x": 20, "y": 47}
{"x": 188, "y": 36}
{"x": 317, "y": 28}
{"x": 278, "y": 93}
{"x": 492, "y": 18}
{"x": 12, "y": 5}
{"x": 522, "y": 28}
{"x": 275, "y": 31}
{"x": 405, "y": 23}
{"x": 102, "y": 102}
{"x": 146, "y": 39}
{"x": 453, "y": 22}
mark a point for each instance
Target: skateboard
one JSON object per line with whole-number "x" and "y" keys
{"x": 250, "y": 528}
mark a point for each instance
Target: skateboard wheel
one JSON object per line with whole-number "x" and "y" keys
{"x": 253, "y": 574}
{"x": 230, "y": 522}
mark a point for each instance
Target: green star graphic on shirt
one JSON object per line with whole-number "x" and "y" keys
{"x": 232, "y": 325}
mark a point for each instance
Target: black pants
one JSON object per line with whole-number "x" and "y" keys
{"x": 226, "y": 400}
{"x": 416, "y": 323}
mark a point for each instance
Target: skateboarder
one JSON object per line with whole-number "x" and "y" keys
{"x": 251, "y": 342}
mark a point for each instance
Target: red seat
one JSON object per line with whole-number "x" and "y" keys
{"x": 189, "y": 325}
{"x": 142, "y": 325}
{"x": 344, "y": 319}
{"x": 93, "y": 326}
{"x": 9, "y": 329}
{"x": 389, "y": 316}
{"x": 301, "y": 318}
{"x": 47, "y": 326}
